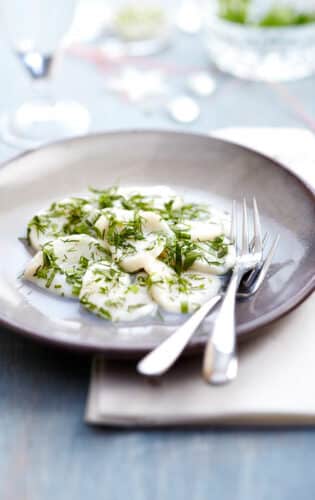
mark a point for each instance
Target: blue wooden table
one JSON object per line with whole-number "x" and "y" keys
{"x": 46, "y": 451}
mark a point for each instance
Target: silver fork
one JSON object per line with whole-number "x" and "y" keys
{"x": 220, "y": 362}
{"x": 164, "y": 355}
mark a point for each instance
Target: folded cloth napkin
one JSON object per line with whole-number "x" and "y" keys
{"x": 277, "y": 369}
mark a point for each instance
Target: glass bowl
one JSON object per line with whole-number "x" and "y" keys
{"x": 261, "y": 53}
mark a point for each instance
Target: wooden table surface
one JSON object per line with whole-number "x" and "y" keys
{"x": 46, "y": 450}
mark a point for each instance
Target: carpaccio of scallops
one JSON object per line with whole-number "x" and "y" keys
{"x": 125, "y": 251}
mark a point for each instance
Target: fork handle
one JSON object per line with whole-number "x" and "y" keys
{"x": 220, "y": 362}
{"x": 164, "y": 356}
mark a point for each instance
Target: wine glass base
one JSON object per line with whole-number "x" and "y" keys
{"x": 37, "y": 122}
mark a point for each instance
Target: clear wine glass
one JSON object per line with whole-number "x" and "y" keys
{"x": 35, "y": 30}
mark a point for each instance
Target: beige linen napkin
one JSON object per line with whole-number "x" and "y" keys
{"x": 276, "y": 382}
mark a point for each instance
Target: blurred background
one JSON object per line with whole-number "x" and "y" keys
{"x": 70, "y": 67}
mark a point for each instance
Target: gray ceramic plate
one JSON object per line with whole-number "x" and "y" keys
{"x": 197, "y": 166}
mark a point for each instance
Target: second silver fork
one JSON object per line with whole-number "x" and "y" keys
{"x": 220, "y": 362}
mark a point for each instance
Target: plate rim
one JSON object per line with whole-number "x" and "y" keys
{"x": 243, "y": 332}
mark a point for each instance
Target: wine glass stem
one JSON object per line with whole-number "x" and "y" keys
{"x": 39, "y": 66}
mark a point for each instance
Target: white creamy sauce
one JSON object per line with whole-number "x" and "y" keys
{"x": 88, "y": 247}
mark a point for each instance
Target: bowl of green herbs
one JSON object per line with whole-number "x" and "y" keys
{"x": 262, "y": 39}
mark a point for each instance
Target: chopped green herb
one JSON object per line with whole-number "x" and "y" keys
{"x": 119, "y": 233}
{"x": 133, "y": 307}
{"x": 106, "y": 198}
{"x": 105, "y": 313}
{"x": 184, "y": 307}
{"x": 84, "y": 262}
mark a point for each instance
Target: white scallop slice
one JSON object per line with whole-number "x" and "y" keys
{"x": 181, "y": 293}
{"x": 132, "y": 254}
{"x": 200, "y": 230}
{"x": 119, "y": 214}
{"x": 109, "y": 292}
{"x": 203, "y": 222}
{"x": 61, "y": 264}
{"x": 155, "y": 267}
{"x": 58, "y": 219}
{"x": 209, "y": 262}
